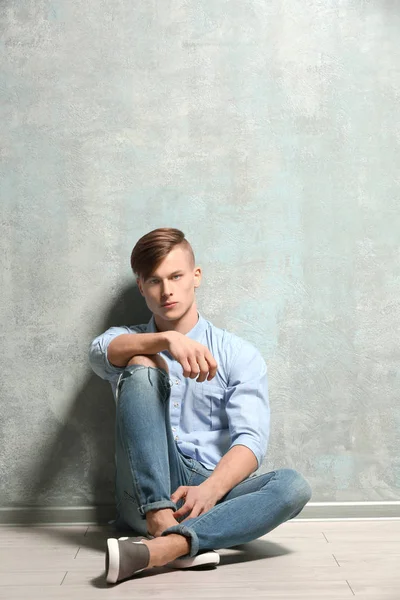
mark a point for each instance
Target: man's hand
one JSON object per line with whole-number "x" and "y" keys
{"x": 196, "y": 359}
{"x": 198, "y": 500}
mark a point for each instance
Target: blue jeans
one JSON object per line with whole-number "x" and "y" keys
{"x": 150, "y": 467}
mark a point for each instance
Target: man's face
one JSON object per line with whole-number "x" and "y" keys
{"x": 174, "y": 281}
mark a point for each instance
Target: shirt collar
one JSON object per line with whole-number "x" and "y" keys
{"x": 194, "y": 333}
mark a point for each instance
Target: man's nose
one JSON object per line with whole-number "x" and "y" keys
{"x": 166, "y": 289}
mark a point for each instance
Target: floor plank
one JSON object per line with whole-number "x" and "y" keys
{"x": 121, "y": 593}
{"x": 258, "y": 589}
{"x": 41, "y": 536}
{"x": 309, "y": 559}
{"x": 31, "y": 578}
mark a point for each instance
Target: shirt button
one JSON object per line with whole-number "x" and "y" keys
{"x": 176, "y": 437}
{"x": 176, "y": 404}
{"x": 174, "y": 429}
{"x": 177, "y": 382}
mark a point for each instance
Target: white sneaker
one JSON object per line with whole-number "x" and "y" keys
{"x": 203, "y": 558}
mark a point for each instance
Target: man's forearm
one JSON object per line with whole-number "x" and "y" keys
{"x": 123, "y": 347}
{"x": 237, "y": 464}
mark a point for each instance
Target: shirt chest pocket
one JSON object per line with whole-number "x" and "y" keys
{"x": 209, "y": 410}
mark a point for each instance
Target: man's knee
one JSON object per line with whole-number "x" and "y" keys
{"x": 151, "y": 360}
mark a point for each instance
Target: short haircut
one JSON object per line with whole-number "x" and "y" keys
{"x": 152, "y": 248}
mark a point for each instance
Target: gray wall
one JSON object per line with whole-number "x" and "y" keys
{"x": 268, "y": 131}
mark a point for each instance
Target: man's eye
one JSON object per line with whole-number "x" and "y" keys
{"x": 175, "y": 276}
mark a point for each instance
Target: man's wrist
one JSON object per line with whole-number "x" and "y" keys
{"x": 164, "y": 340}
{"x": 166, "y": 336}
{"x": 214, "y": 486}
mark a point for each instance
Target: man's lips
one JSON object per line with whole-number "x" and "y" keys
{"x": 168, "y": 304}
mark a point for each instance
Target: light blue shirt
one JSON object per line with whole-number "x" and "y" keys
{"x": 208, "y": 418}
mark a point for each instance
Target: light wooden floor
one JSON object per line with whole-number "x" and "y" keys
{"x": 300, "y": 559}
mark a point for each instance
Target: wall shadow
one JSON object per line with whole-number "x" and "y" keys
{"x": 86, "y": 440}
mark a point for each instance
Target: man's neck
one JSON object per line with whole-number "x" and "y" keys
{"x": 182, "y": 325}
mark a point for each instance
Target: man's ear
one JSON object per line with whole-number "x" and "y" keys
{"x": 197, "y": 274}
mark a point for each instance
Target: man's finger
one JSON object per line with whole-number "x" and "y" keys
{"x": 213, "y": 365}
{"x": 197, "y": 510}
{"x": 180, "y": 492}
{"x": 182, "y": 511}
{"x": 187, "y": 369}
{"x": 194, "y": 367}
{"x": 203, "y": 365}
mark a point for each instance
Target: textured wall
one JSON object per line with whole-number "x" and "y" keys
{"x": 269, "y": 132}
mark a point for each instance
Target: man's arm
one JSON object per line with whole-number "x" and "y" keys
{"x": 234, "y": 467}
{"x": 247, "y": 403}
{"x": 121, "y": 349}
{"x": 247, "y": 409}
{"x": 111, "y": 351}
{"x": 237, "y": 464}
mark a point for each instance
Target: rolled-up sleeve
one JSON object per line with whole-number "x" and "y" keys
{"x": 247, "y": 403}
{"x": 98, "y": 353}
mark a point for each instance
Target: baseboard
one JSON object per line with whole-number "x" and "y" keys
{"x": 98, "y": 515}
{"x": 350, "y": 510}
{"x": 57, "y": 515}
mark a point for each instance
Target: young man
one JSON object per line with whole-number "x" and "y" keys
{"x": 192, "y": 425}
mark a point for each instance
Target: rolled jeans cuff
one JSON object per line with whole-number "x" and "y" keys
{"x": 189, "y": 533}
{"x": 145, "y": 508}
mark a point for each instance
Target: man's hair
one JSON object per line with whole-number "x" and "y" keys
{"x": 152, "y": 248}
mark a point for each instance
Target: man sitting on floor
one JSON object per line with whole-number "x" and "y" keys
{"x": 192, "y": 425}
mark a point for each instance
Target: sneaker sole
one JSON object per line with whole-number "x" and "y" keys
{"x": 200, "y": 560}
{"x": 112, "y": 560}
